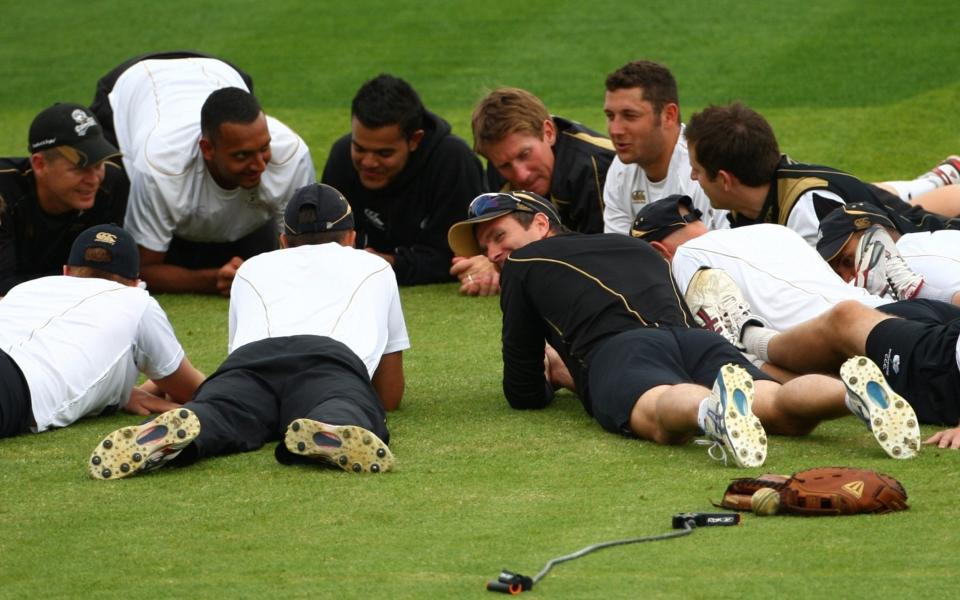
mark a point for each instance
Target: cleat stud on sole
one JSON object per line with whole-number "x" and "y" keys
{"x": 95, "y": 460}
{"x": 343, "y": 460}
{"x": 882, "y": 436}
{"x": 357, "y": 468}
{"x": 374, "y": 468}
{"x": 107, "y": 444}
{"x": 301, "y": 446}
{"x": 346, "y": 434}
{"x": 381, "y": 452}
{"x": 181, "y": 433}
{"x": 853, "y": 381}
{"x": 911, "y": 423}
{"x": 137, "y": 457}
{"x": 106, "y": 473}
{"x": 367, "y": 439}
{"x": 295, "y": 426}
{"x": 184, "y": 414}
{"x": 899, "y": 404}
{"x": 125, "y": 468}
{"x": 896, "y": 450}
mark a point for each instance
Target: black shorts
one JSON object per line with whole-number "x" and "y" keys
{"x": 923, "y": 311}
{"x": 633, "y": 362}
{"x": 919, "y": 361}
{"x": 16, "y": 411}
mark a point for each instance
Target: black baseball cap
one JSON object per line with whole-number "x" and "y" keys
{"x": 74, "y": 131}
{"x": 837, "y": 227}
{"x": 662, "y": 217}
{"x": 121, "y": 257}
{"x": 326, "y": 210}
{"x": 490, "y": 206}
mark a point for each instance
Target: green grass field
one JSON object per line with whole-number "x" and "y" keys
{"x": 870, "y": 87}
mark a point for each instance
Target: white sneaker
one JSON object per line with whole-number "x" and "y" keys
{"x": 730, "y": 423}
{"x": 886, "y": 414}
{"x": 947, "y": 172}
{"x": 718, "y": 305}
{"x": 881, "y": 270}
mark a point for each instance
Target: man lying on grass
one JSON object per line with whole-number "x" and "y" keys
{"x": 609, "y": 306}
{"x": 72, "y": 346}
{"x": 316, "y": 340}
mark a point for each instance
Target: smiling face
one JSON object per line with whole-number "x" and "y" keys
{"x": 380, "y": 154}
{"x": 525, "y": 160}
{"x": 635, "y": 127}
{"x": 239, "y": 154}
{"x": 498, "y": 238}
{"x": 62, "y": 186}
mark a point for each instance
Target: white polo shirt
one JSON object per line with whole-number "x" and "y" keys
{"x": 628, "y": 189}
{"x": 156, "y": 113}
{"x": 347, "y": 294}
{"x": 81, "y": 343}
{"x": 785, "y": 281}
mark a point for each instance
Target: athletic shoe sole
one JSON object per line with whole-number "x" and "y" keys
{"x": 891, "y": 418}
{"x": 744, "y": 434}
{"x": 352, "y": 448}
{"x": 131, "y": 450}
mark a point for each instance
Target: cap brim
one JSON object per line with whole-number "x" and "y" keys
{"x": 461, "y": 238}
{"x": 830, "y": 249}
{"x": 89, "y": 152}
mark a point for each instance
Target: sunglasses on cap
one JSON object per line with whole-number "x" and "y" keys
{"x": 485, "y": 204}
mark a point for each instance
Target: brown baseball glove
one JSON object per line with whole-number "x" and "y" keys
{"x": 823, "y": 491}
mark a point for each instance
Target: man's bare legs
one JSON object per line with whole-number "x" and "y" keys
{"x": 822, "y": 344}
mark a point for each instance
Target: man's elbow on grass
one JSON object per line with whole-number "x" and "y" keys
{"x": 529, "y": 397}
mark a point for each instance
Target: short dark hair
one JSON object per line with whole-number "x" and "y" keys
{"x": 736, "y": 139}
{"x": 227, "y": 105}
{"x": 317, "y": 237}
{"x": 659, "y": 86}
{"x": 387, "y": 100}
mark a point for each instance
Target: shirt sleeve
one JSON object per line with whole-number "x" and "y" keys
{"x": 157, "y": 353}
{"x": 149, "y": 219}
{"x": 524, "y": 383}
{"x": 617, "y": 211}
{"x": 8, "y": 255}
{"x": 397, "y": 337}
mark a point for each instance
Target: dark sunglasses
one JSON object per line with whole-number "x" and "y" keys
{"x": 485, "y": 204}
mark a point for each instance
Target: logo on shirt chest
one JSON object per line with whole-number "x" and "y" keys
{"x": 638, "y": 197}
{"x": 373, "y": 218}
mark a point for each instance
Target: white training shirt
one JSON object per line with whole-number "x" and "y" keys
{"x": 934, "y": 255}
{"x": 156, "y": 113}
{"x": 327, "y": 289}
{"x": 627, "y": 190}
{"x": 785, "y": 281}
{"x": 81, "y": 342}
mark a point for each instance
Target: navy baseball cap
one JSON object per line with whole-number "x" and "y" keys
{"x": 487, "y": 207}
{"x": 316, "y": 208}
{"x": 106, "y": 248}
{"x": 840, "y": 224}
{"x": 660, "y": 218}
{"x": 73, "y": 131}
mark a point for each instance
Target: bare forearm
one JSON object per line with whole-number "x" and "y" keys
{"x": 172, "y": 278}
